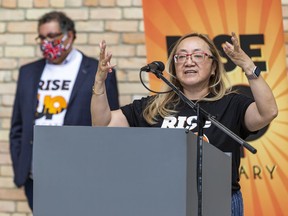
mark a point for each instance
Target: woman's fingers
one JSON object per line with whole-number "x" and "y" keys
{"x": 105, "y": 58}
{"x": 102, "y": 46}
{"x": 235, "y": 42}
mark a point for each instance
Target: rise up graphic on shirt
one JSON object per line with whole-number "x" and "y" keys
{"x": 54, "y": 90}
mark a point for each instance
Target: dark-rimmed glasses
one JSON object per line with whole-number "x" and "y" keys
{"x": 197, "y": 57}
{"x": 49, "y": 37}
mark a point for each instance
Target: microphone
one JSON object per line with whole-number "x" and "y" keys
{"x": 154, "y": 66}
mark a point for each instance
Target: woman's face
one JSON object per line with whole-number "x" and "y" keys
{"x": 194, "y": 70}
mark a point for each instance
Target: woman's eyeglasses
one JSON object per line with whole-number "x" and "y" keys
{"x": 197, "y": 57}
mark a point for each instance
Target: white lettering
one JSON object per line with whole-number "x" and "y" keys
{"x": 169, "y": 122}
{"x": 189, "y": 123}
{"x": 192, "y": 120}
{"x": 181, "y": 121}
{"x": 207, "y": 124}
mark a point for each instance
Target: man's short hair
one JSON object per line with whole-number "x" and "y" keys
{"x": 65, "y": 23}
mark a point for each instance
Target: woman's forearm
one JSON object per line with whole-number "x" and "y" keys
{"x": 100, "y": 110}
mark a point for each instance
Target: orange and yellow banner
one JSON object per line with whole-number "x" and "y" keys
{"x": 258, "y": 24}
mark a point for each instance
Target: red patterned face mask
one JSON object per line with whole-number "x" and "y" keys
{"x": 53, "y": 49}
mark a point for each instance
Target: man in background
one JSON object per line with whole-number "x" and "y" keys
{"x": 55, "y": 90}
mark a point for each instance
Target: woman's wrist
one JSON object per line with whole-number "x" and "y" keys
{"x": 249, "y": 69}
{"x": 98, "y": 88}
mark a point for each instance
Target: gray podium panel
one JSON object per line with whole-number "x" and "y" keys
{"x": 125, "y": 172}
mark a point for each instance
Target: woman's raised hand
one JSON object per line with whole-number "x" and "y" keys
{"x": 104, "y": 66}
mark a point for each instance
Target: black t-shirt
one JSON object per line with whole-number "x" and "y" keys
{"x": 229, "y": 111}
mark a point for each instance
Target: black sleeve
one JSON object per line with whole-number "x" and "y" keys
{"x": 134, "y": 112}
{"x": 243, "y": 102}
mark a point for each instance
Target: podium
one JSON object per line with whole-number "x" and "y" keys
{"x": 80, "y": 170}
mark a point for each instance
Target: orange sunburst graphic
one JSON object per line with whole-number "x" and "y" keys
{"x": 264, "y": 176}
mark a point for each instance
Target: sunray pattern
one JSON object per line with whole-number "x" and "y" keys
{"x": 265, "y": 190}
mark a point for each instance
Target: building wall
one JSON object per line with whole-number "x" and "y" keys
{"x": 119, "y": 22}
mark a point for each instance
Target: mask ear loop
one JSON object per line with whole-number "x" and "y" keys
{"x": 67, "y": 45}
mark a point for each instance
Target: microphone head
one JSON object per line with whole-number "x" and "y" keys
{"x": 160, "y": 65}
